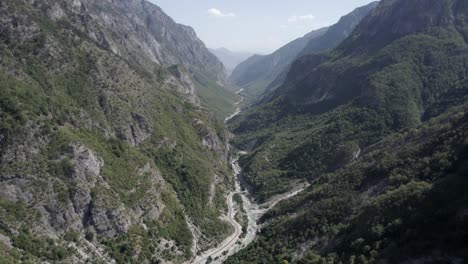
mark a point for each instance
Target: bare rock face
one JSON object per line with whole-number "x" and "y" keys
{"x": 151, "y": 207}
{"x": 5, "y": 240}
{"x": 70, "y": 209}
{"x": 210, "y": 139}
{"x": 137, "y": 129}
{"x": 55, "y": 12}
{"x": 79, "y": 208}
{"x": 145, "y": 35}
{"x": 81, "y": 200}
{"x": 85, "y": 174}
{"x": 108, "y": 222}
{"x": 87, "y": 166}
{"x": 181, "y": 76}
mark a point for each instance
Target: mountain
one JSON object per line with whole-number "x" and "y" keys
{"x": 339, "y": 31}
{"x": 107, "y": 150}
{"x": 230, "y": 59}
{"x": 402, "y": 200}
{"x": 261, "y": 74}
{"x": 376, "y": 127}
{"x": 145, "y": 37}
{"x": 395, "y": 84}
{"x": 255, "y": 73}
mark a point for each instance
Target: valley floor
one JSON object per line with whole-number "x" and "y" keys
{"x": 253, "y": 211}
{"x": 235, "y": 242}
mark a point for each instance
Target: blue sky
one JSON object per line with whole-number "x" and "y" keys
{"x": 259, "y": 26}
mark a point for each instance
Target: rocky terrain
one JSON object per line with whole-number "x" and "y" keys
{"x": 107, "y": 149}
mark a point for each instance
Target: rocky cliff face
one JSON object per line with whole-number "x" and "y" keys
{"x": 105, "y": 153}
{"x": 144, "y": 33}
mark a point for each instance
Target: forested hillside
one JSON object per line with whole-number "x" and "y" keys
{"x": 377, "y": 126}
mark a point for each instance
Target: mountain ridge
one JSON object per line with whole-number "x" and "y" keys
{"x": 262, "y": 74}
{"x": 257, "y": 69}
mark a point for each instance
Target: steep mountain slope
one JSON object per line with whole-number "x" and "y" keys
{"x": 338, "y": 32}
{"x": 378, "y": 127}
{"x": 230, "y": 59}
{"x": 145, "y": 36}
{"x": 105, "y": 154}
{"x": 263, "y": 74}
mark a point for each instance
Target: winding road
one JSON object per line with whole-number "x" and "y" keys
{"x": 254, "y": 211}
{"x": 229, "y": 242}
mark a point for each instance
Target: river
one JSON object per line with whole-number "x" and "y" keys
{"x": 254, "y": 211}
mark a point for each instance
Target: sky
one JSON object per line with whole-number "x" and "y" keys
{"x": 257, "y": 26}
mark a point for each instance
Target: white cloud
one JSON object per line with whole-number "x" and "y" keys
{"x": 297, "y": 19}
{"x": 217, "y": 13}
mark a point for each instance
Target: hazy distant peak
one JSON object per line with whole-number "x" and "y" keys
{"x": 229, "y": 58}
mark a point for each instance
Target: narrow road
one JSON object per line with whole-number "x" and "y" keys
{"x": 254, "y": 211}
{"x": 229, "y": 242}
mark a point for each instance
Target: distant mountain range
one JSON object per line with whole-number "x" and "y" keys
{"x": 261, "y": 73}
{"x": 255, "y": 73}
{"x": 230, "y": 59}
